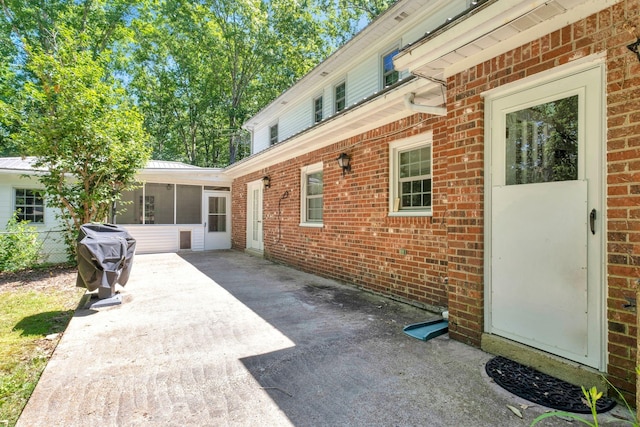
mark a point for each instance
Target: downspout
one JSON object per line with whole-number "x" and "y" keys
{"x": 436, "y": 111}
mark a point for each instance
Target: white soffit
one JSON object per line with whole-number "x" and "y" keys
{"x": 494, "y": 30}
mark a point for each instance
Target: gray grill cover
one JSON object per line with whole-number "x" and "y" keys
{"x": 105, "y": 255}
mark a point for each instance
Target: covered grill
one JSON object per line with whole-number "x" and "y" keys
{"x": 105, "y": 254}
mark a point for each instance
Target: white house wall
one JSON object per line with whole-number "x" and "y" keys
{"x": 53, "y": 248}
{"x": 164, "y": 238}
{"x": 261, "y": 138}
{"x": 364, "y": 80}
{"x": 298, "y": 117}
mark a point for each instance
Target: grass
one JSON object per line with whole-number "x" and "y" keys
{"x": 34, "y": 311}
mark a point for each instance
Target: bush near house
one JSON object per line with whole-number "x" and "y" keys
{"x": 19, "y": 246}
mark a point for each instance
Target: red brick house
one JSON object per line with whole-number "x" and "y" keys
{"x": 494, "y": 172}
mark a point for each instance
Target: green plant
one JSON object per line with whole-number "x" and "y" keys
{"x": 591, "y": 398}
{"x": 19, "y": 245}
{"x": 31, "y": 322}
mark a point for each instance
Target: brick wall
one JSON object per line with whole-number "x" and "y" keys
{"x": 359, "y": 243}
{"x": 609, "y": 31}
{"x": 412, "y": 258}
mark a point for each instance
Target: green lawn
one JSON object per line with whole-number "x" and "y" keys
{"x": 34, "y": 311}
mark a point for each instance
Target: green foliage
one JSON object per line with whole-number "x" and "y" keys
{"x": 200, "y": 69}
{"x": 19, "y": 246}
{"x": 197, "y": 70}
{"x": 26, "y": 318}
{"x": 85, "y": 132}
{"x": 591, "y": 398}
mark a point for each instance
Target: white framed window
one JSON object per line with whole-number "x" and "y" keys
{"x": 340, "y": 97}
{"x": 311, "y": 199}
{"x": 273, "y": 134}
{"x": 410, "y": 183}
{"x": 389, "y": 75}
{"x": 317, "y": 109}
{"x": 29, "y": 205}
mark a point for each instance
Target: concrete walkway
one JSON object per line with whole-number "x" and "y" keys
{"x": 226, "y": 339}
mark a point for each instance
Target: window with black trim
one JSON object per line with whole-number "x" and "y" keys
{"x": 273, "y": 134}
{"x": 389, "y": 74}
{"x": 340, "y": 97}
{"x": 317, "y": 109}
{"x": 29, "y": 205}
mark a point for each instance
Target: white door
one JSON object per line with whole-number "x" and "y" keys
{"x": 254, "y": 216}
{"x": 217, "y": 220}
{"x": 546, "y": 221}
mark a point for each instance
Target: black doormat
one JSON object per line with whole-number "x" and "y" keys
{"x": 540, "y": 388}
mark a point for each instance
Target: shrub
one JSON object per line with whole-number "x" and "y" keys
{"x": 19, "y": 246}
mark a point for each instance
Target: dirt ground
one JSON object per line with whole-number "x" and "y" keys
{"x": 58, "y": 277}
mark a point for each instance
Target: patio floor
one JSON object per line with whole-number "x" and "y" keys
{"x": 227, "y": 339}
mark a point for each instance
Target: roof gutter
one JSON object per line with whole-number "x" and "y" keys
{"x": 417, "y": 108}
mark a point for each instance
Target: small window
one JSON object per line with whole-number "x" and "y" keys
{"x": 312, "y": 191}
{"x": 341, "y": 97}
{"x": 411, "y": 180}
{"x": 273, "y": 134}
{"x": 542, "y": 143}
{"x": 29, "y": 205}
{"x": 389, "y": 74}
{"x": 217, "y": 216}
{"x": 317, "y": 110}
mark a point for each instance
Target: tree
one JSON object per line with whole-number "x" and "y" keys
{"x": 200, "y": 69}
{"x": 83, "y": 130}
{"x": 62, "y": 101}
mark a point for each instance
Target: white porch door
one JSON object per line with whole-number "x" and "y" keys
{"x": 217, "y": 220}
{"x": 254, "y": 216}
{"x": 546, "y": 221}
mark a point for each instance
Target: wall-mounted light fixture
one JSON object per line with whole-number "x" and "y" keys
{"x": 345, "y": 163}
{"x": 635, "y": 48}
{"x": 266, "y": 181}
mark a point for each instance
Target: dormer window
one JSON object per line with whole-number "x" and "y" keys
{"x": 389, "y": 74}
{"x": 317, "y": 109}
{"x": 340, "y": 97}
{"x": 273, "y": 134}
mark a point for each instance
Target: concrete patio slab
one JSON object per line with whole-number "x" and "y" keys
{"x": 227, "y": 339}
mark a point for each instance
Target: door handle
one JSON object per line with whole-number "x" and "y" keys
{"x": 592, "y": 221}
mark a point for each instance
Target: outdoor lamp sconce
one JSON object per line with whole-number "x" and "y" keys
{"x": 266, "y": 181}
{"x": 345, "y": 163}
{"x": 635, "y": 48}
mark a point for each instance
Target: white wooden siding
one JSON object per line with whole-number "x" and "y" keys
{"x": 363, "y": 80}
{"x": 261, "y": 138}
{"x": 53, "y": 248}
{"x": 164, "y": 238}
{"x": 6, "y": 202}
{"x": 297, "y": 118}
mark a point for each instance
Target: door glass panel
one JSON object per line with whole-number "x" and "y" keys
{"x": 256, "y": 218}
{"x": 217, "y": 214}
{"x": 542, "y": 143}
